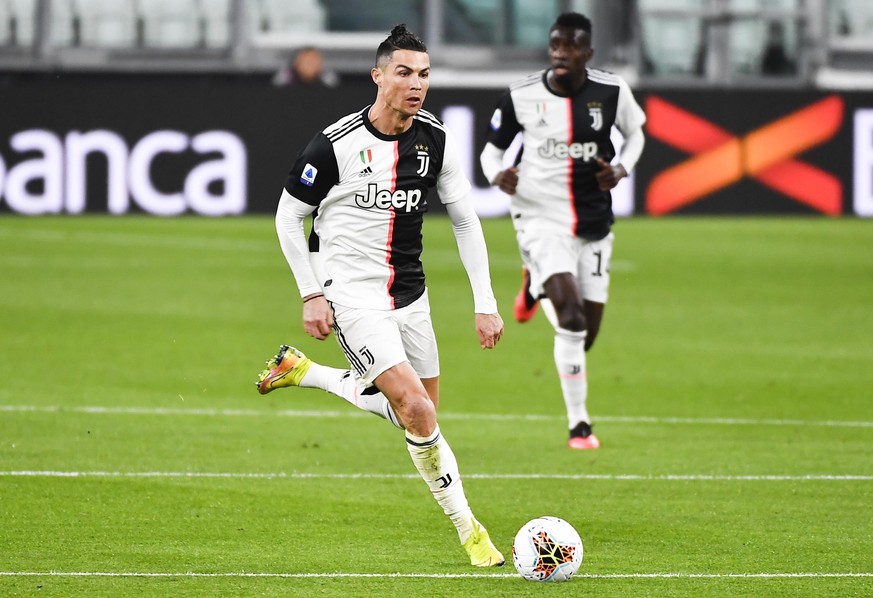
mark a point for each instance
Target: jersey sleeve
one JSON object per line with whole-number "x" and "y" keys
{"x": 504, "y": 125}
{"x": 314, "y": 173}
{"x": 452, "y": 183}
{"x": 629, "y": 115}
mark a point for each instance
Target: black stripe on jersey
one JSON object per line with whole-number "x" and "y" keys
{"x": 604, "y": 77}
{"x": 405, "y": 247}
{"x": 531, "y": 79}
{"x": 593, "y": 207}
{"x": 342, "y": 131}
{"x": 408, "y": 282}
{"x": 353, "y": 359}
{"x": 429, "y": 118}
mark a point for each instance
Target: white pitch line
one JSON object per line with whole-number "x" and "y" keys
{"x": 730, "y": 421}
{"x": 410, "y": 476}
{"x": 432, "y": 575}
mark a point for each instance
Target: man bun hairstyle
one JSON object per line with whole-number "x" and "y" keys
{"x": 400, "y": 38}
{"x": 575, "y": 21}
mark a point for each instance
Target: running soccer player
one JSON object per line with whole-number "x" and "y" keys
{"x": 368, "y": 178}
{"x": 560, "y": 201}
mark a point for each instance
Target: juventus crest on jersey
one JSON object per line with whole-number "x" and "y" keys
{"x": 562, "y": 136}
{"x": 371, "y": 191}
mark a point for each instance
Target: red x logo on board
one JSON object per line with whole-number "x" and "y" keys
{"x": 766, "y": 155}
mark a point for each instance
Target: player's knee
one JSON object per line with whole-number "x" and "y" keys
{"x": 418, "y": 413}
{"x": 572, "y": 319}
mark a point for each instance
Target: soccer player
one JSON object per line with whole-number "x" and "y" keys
{"x": 368, "y": 178}
{"x": 560, "y": 200}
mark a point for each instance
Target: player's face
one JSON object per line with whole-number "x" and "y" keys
{"x": 569, "y": 52}
{"x": 404, "y": 81}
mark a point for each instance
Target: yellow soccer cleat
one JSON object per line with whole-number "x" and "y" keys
{"x": 482, "y": 552}
{"x": 287, "y": 368}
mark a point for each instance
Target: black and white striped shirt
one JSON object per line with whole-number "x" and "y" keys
{"x": 371, "y": 192}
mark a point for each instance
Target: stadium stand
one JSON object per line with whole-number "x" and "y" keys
{"x": 101, "y": 23}
{"x": 659, "y": 42}
{"x": 17, "y": 22}
{"x": 280, "y": 15}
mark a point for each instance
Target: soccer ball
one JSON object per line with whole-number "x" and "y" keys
{"x": 547, "y": 549}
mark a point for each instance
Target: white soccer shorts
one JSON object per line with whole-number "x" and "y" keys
{"x": 374, "y": 340}
{"x": 588, "y": 261}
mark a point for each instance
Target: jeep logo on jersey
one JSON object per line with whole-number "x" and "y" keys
{"x": 385, "y": 200}
{"x": 561, "y": 150}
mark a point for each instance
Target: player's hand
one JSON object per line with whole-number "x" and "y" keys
{"x": 317, "y": 318}
{"x": 507, "y": 180}
{"x": 608, "y": 175}
{"x": 490, "y": 329}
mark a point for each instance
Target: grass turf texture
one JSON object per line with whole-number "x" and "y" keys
{"x": 164, "y": 324}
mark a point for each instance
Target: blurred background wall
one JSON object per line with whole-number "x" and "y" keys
{"x": 197, "y": 106}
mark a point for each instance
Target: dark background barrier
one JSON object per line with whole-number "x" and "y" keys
{"x": 226, "y": 144}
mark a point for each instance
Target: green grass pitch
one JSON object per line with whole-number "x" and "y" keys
{"x": 730, "y": 387}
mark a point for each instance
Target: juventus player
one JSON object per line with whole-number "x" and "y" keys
{"x": 560, "y": 201}
{"x": 367, "y": 179}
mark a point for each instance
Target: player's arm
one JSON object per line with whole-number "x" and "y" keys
{"x": 314, "y": 173}
{"x": 502, "y": 130}
{"x": 474, "y": 256}
{"x": 454, "y": 190}
{"x": 317, "y": 317}
{"x": 629, "y": 120}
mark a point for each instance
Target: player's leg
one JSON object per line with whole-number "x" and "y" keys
{"x": 525, "y": 306}
{"x": 428, "y": 448}
{"x": 593, "y": 317}
{"x": 595, "y": 261}
{"x": 593, "y": 279}
{"x": 565, "y": 303}
{"x": 290, "y": 367}
{"x": 554, "y": 266}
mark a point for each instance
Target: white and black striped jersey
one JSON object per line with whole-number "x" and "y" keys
{"x": 562, "y": 135}
{"x": 371, "y": 192}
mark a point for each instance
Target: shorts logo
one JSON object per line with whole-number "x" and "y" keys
{"x": 309, "y": 174}
{"x": 596, "y": 112}
{"x": 720, "y": 158}
{"x": 384, "y": 199}
{"x": 365, "y": 353}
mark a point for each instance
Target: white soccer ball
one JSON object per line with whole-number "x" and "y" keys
{"x": 547, "y": 549}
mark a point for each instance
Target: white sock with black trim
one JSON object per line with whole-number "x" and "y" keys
{"x": 343, "y": 384}
{"x": 570, "y": 362}
{"x": 436, "y": 463}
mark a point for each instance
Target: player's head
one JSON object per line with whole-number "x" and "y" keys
{"x": 402, "y": 71}
{"x": 570, "y": 48}
{"x": 400, "y": 38}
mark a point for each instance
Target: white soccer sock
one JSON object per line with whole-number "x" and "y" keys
{"x": 344, "y": 385}
{"x": 436, "y": 463}
{"x": 570, "y": 362}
